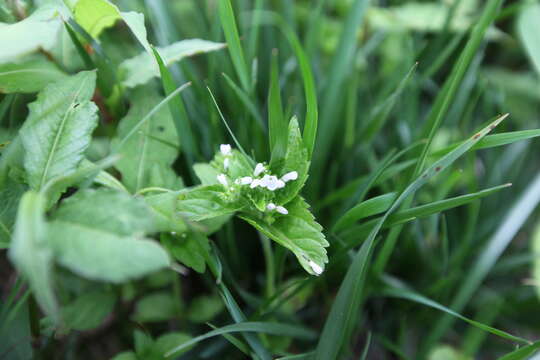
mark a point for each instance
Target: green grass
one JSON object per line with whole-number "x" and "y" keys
{"x": 403, "y": 226}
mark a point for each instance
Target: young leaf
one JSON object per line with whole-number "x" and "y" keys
{"x": 31, "y": 252}
{"x": 297, "y": 231}
{"x": 206, "y": 202}
{"x": 143, "y": 67}
{"x": 58, "y": 128}
{"x": 165, "y": 214}
{"x": 88, "y": 310}
{"x": 296, "y": 159}
{"x": 155, "y": 144}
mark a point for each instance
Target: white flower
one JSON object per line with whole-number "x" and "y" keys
{"x": 222, "y": 179}
{"x": 226, "y": 163}
{"x": 259, "y": 168}
{"x": 271, "y": 206}
{"x": 281, "y": 210}
{"x": 315, "y": 267}
{"x": 292, "y": 175}
{"x": 225, "y": 149}
{"x": 255, "y": 183}
{"x": 246, "y": 180}
{"x": 271, "y": 182}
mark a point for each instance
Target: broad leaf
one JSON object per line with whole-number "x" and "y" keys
{"x": 528, "y": 30}
{"x": 97, "y": 235}
{"x": 89, "y": 310}
{"x": 297, "y": 231}
{"x": 148, "y": 154}
{"x": 31, "y": 252}
{"x": 165, "y": 214}
{"x": 28, "y": 76}
{"x": 143, "y": 67}
{"x": 10, "y": 194}
{"x": 191, "y": 249}
{"x": 38, "y": 31}
{"x": 58, "y": 129}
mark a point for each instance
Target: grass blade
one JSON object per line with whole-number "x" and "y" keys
{"x": 343, "y": 311}
{"x": 230, "y": 30}
{"x": 277, "y": 127}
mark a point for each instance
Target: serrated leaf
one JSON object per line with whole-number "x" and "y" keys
{"x": 38, "y": 31}
{"x": 93, "y": 234}
{"x": 296, "y": 159}
{"x": 58, "y": 129}
{"x": 191, "y": 249}
{"x": 31, "y": 253}
{"x": 89, "y": 310}
{"x": 29, "y": 76}
{"x": 205, "y": 202}
{"x": 297, "y": 231}
{"x": 155, "y": 144}
{"x": 143, "y": 67}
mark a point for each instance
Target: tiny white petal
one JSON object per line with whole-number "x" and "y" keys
{"x": 226, "y": 163}
{"x": 246, "y": 180}
{"x": 272, "y": 183}
{"x": 281, "y": 210}
{"x": 292, "y": 175}
{"x": 315, "y": 267}
{"x": 222, "y": 179}
{"x": 259, "y": 168}
{"x": 280, "y": 184}
{"x": 271, "y": 206}
{"x": 237, "y": 181}
{"x": 255, "y": 183}
{"x": 265, "y": 181}
{"x": 225, "y": 149}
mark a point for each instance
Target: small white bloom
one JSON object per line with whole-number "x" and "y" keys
{"x": 226, "y": 163}
{"x": 255, "y": 183}
{"x": 292, "y": 175}
{"x": 246, "y": 180}
{"x": 259, "y": 168}
{"x": 265, "y": 181}
{"x": 222, "y": 179}
{"x": 273, "y": 183}
{"x": 281, "y": 210}
{"x": 225, "y": 149}
{"x": 271, "y": 206}
{"x": 280, "y": 184}
{"x": 315, "y": 267}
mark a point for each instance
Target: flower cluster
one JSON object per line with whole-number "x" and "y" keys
{"x": 266, "y": 181}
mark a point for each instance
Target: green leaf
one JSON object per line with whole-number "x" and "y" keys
{"x": 522, "y": 353}
{"x": 536, "y": 254}
{"x": 95, "y": 15}
{"x": 38, "y": 31}
{"x": 58, "y": 128}
{"x": 97, "y": 235}
{"x": 366, "y": 208}
{"x": 297, "y": 231}
{"x": 154, "y": 145}
{"x": 143, "y": 67}
{"x": 204, "y": 308}
{"x": 206, "y": 173}
{"x": 261, "y": 327}
{"x": 528, "y": 30}
{"x": 345, "y": 308}
{"x": 108, "y": 210}
{"x": 228, "y": 23}
{"x": 190, "y": 248}
{"x": 206, "y": 202}
{"x": 31, "y": 253}
{"x": 29, "y": 76}
{"x": 296, "y": 159}
{"x": 10, "y": 194}
{"x": 165, "y": 213}
{"x": 165, "y": 342}
{"x": 155, "y": 307}
{"x": 277, "y": 129}
{"x": 125, "y": 355}
{"x": 89, "y": 310}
